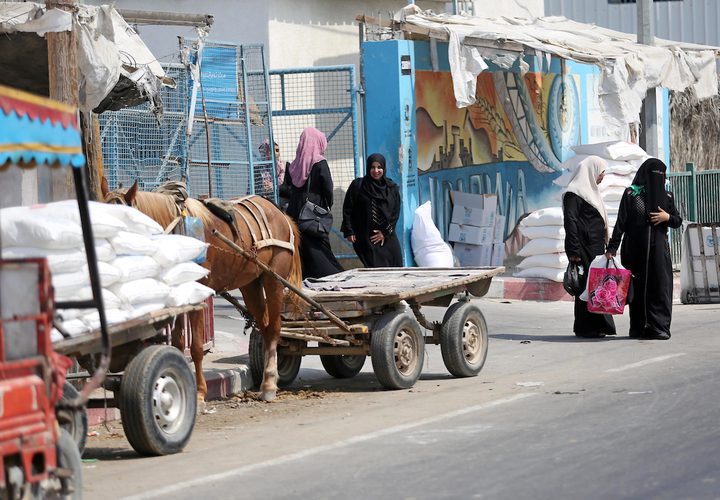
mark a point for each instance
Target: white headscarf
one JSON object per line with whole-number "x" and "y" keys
{"x": 584, "y": 184}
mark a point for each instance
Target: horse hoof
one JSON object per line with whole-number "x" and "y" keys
{"x": 201, "y": 407}
{"x": 269, "y": 395}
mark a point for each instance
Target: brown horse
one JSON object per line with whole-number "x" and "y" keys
{"x": 278, "y": 248}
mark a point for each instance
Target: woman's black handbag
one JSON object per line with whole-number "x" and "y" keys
{"x": 574, "y": 280}
{"x": 313, "y": 219}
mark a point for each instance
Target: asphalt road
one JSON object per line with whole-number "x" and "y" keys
{"x": 550, "y": 416}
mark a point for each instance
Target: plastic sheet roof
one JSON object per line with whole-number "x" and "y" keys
{"x": 36, "y": 130}
{"x": 627, "y": 69}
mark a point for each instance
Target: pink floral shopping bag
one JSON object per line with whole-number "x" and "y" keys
{"x": 608, "y": 289}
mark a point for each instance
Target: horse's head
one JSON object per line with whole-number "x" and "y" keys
{"x": 119, "y": 196}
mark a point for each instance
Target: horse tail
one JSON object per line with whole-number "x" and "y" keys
{"x": 295, "y": 276}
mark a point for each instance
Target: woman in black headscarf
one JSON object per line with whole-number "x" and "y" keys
{"x": 370, "y": 212}
{"x": 646, "y": 211}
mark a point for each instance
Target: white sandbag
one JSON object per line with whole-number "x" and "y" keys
{"x": 74, "y": 327}
{"x": 551, "y": 216}
{"x": 541, "y": 272}
{"x": 59, "y": 260}
{"x": 540, "y": 246}
{"x": 612, "y": 194}
{"x": 533, "y": 232}
{"x": 612, "y": 150}
{"x": 429, "y": 249}
{"x": 135, "y": 220}
{"x": 615, "y": 180}
{"x": 108, "y": 274}
{"x": 21, "y": 227}
{"x": 174, "y": 248}
{"x": 551, "y": 260}
{"x": 104, "y": 225}
{"x": 145, "y": 308}
{"x": 142, "y": 290}
{"x": 127, "y": 243}
{"x": 183, "y": 272}
{"x": 104, "y": 250}
{"x": 135, "y": 267}
{"x": 112, "y": 316}
{"x": 66, "y": 283}
{"x": 621, "y": 168}
{"x": 191, "y": 292}
{"x": 110, "y": 300}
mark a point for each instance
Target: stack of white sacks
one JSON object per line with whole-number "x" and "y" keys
{"x": 544, "y": 255}
{"x": 141, "y": 269}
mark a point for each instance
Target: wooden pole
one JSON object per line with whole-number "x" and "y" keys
{"x": 92, "y": 148}
{"x": 64, "y": 87}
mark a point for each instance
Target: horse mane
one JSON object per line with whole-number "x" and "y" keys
{"x": 159, "y": 207}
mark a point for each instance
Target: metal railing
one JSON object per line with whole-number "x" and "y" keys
{"x": 697, "y": 198}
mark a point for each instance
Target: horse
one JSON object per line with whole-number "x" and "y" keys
{"x": 264, "y": 296}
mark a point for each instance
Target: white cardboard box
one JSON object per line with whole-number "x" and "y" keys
{"x": 474, "y": 235}
{"x": 473, "y": 209}
{"x": 498, "y": 254}
{"x": 499, "y": 229}
{"x": 473, "y": 255}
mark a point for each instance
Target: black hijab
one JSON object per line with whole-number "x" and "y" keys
{"x": 381, "y": 190}
{"x": 651, "y": 175}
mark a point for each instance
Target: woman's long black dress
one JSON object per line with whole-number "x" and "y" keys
{"x": 646, "y": 252}
{"x": 362, "y": 216}
{"x": 585, "y": 238}
{"x": 317, "y": 257}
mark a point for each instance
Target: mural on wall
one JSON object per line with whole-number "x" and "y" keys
{"x": 510, "y": 143}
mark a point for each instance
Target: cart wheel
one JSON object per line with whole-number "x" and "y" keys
{"x": 397, "y": 350}
{"x": 464, "y": 340}
{"x": 73, "y": 420}
{"x": 158, "y": 400}
{"x": 342, "y": 366}
{"x": 288, "y": 366}
{"x": 68, "y": 457}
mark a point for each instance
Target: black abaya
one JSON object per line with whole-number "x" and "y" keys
{"x": 646, "y": 252}
{"x": 585, "y": 238}
{"x": 317, "y": 257}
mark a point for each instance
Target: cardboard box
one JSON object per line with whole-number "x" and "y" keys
{"x": 473, "y": 255}
{"x": 473, "y": 209}
{"x": 474, "y": 235}
{"x": 499, "y": 232}
{"x": 498, "y": 254}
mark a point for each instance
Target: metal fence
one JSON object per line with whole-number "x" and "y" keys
{"x": 697, "y": 198}
{"x": 138, "y": 146}
{"x": 324, "y": 98}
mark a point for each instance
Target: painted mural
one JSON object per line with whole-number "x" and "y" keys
{"x": 510, "y": 143}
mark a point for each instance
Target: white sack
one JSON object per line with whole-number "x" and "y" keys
{"x": 174, "y": 248}
{"x": 22, "y": 228}
{"x": 553, "y": 232}
{"x": 59, "y": 261}
{"x": 552, "y": 260}
{"x": 191, "y": 292}
{"x": 142, "y": 290}
{"x": 135, "y": 267}
{"x": 612, "y": 194}
{"x": 541, "y": 272}
{"x": 429, "y": 249}
{"x": 542, "y": 245}
{"x": 612, "y": 150}
{"x": 552, "y": 216}
{"x": 127, "y": 243}
{"x": 136, "y": 221}
{"x": 183, "y": 272}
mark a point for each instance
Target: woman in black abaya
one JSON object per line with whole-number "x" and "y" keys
{"x": 370, "y": 212}
{"x": 586, "y": 230}
{"x": 646, "y": 211}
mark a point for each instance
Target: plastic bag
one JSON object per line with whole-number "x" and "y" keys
{"x": 574, "y": 279}
{"x": 607, "y": 286}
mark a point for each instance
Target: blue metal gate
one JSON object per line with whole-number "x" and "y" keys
{"x": 323, "y": 97}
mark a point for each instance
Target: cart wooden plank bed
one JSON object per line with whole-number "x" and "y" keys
{"x": 377, "y": 313}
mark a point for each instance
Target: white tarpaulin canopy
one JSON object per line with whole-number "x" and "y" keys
{"x": 116, "y": 67}
{"x": 627, "y": 69}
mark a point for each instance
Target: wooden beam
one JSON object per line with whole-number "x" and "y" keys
{"x": 64, "y": 87}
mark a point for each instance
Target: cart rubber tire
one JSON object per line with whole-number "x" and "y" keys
{"x": 73, "y": 420}
{"x": 397, "y": 350}
{"x": 342, "y": 366}
{"x": 158, "y": 401}
{"x": 68, "y": 457}
{"x": 464, "y": 340}
{"x": 288, "y": 366}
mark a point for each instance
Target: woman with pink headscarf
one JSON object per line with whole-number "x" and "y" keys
{"x": 311, "y": 180}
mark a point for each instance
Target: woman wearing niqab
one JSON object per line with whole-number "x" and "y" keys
{"x": 310, "y": 166}
{"x": 370, "y": 212}
{"x": 586, "y": 233}
{"x": 646, "y": 211}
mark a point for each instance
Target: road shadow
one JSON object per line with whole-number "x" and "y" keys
{"x": 552, "y": 338}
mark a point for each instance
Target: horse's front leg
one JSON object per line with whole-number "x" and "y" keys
{"x": 197, "y": 323}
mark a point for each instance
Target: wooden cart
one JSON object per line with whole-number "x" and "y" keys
{"x": 151, "y": 381}
{"x": 377, "y": 313}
